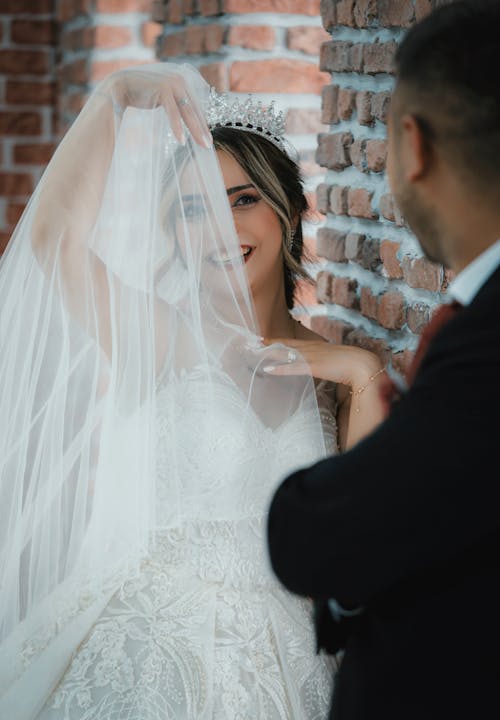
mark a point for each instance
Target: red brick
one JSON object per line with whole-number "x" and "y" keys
{"x": 253, "y": 37}
{"x": 388, "y": 253}
{"x": 24, "y": 62}
{"x": 109, "y": 36}
{"x": 214, "y": 38}
{"x": 306, "y": 39}
{"x": 33, "y": 32}
{"x": 33, "y": 154}
{"x": 190, "y": 7}
{"x": 345, "y": 12}
{"x": 33, "y": 7}
{"x": 15, "y": 184}
{"x": 294, "y": 7}
{"x": 20, "y": 92}
{"x": 421, "y": 273}
{"x": 100, "y": 69}
{"x": 149, "y": 32}
{"x": 359, "y": 204}
{"x": 309, "y": 167}
{"x": 365, "y": 13}
{"x": 333, "y": 150}
{"x": 211, "y": 7}
{"x": 20, "y": 123}
{"x": 417, "y": 317}
{"x": 379, "y": 57}
{"x": 70, "y": 9}
{"x": 328, "y": 14}
{"x": 195, "y": 36}
{"x": 300, "y": 121}
{"x": 341, "y": 56}
{"x": 376, "y": 154}
{"x": 364, "y": 107}
{"x": 322, "y": 197}
{"x": 368, "y": 303}
{"x": 331, "y": 245}
{"x": 329, "y": 99}
{"x": 346, "y": 103}
{"x": 173, "y": 44}
{"x": 4, "y": 240}
{"x": 81, "y": 39}
{"x": 279, "y": 75}
{"x": 396, "y": 13}
{"x": 344, "y": 292}
{"x": 357, "y": 153}
{"x": 122, "y": 6}
{"x": 324, "y": 286}
{"x": 392, "y": 310}
{"x": 422, "y": 8}
{"x": 390, "y": 210}
{"x": 14, "y": 212}
{"x": 338, "y": 200}
{"x": 74, "y": 73}
{"x": 216, "y": 74}
{"x": 380, "y": 105}
{"x": 158, "y": 11}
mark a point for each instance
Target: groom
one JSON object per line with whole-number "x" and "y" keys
{"x": 398, "y": 539}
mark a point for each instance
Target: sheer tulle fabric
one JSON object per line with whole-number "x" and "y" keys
{"x": 131, "y": 380}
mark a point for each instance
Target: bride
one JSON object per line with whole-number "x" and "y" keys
{"x": 155, "y": 390}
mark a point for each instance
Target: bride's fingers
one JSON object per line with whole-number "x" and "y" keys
{"x": 174, "y": 116}
{"x": 295, "y": 368}
{"x": 194, "y": 119}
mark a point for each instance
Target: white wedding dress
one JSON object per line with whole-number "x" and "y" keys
{"x": 204, "y": 630}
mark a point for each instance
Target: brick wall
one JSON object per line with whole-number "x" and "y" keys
{"x": 375, "y": 287}
{"x": 51, "y": 54}
{"x": 96, "y": 38}
{"x": 327, "y": 63}
{"x": 266, "y": 47}
{"x": 28, "y": 36}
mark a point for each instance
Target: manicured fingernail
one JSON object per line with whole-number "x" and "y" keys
{"x": 269, "y": 368}
{"x": 208, "y": 140}
{"x": 182, "y": 138}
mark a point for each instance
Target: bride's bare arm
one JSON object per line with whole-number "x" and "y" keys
{"x": 68, "y": 200}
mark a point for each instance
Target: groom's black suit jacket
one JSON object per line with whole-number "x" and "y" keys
{"x": 407, "y": 525}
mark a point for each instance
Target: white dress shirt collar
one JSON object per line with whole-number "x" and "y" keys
{"x": 467, "y": 283}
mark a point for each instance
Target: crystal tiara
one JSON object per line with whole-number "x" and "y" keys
{"x": 248, "y": 116}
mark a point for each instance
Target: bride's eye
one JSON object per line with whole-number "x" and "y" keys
{"x": 194, "y": 210}
{"x": 244, "y": 200}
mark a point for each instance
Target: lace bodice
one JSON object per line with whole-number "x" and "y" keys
{"x": 205, "y": 631}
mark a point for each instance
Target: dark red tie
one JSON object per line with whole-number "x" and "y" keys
{"x": 440, "y": 317}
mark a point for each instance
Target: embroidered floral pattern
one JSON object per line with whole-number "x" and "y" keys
{"x": 204, "y": 631}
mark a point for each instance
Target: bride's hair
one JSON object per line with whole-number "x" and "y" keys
{"x": 277, "y": 177}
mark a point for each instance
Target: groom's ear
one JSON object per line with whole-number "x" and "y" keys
{"x": 415, "y": 147}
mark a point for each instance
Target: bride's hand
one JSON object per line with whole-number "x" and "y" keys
{"x": 344, "y": 364}
{"x": 358, "y": 372}
{"x": 159, "y": 85}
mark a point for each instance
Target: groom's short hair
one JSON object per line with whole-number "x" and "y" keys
{"x": 447, "y": 73}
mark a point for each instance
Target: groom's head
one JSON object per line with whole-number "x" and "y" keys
{"x": 444, "y": 123}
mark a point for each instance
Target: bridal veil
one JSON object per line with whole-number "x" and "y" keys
{"x": 124, "y": 273}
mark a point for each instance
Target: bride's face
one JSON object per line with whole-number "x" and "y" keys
{"x": 257, "y": 226}
{"x": 200, "y": 238}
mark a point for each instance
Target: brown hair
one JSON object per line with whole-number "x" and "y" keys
{"x": 277, "y": 178}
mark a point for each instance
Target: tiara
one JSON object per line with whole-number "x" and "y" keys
{"x": 248, "y": 116}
